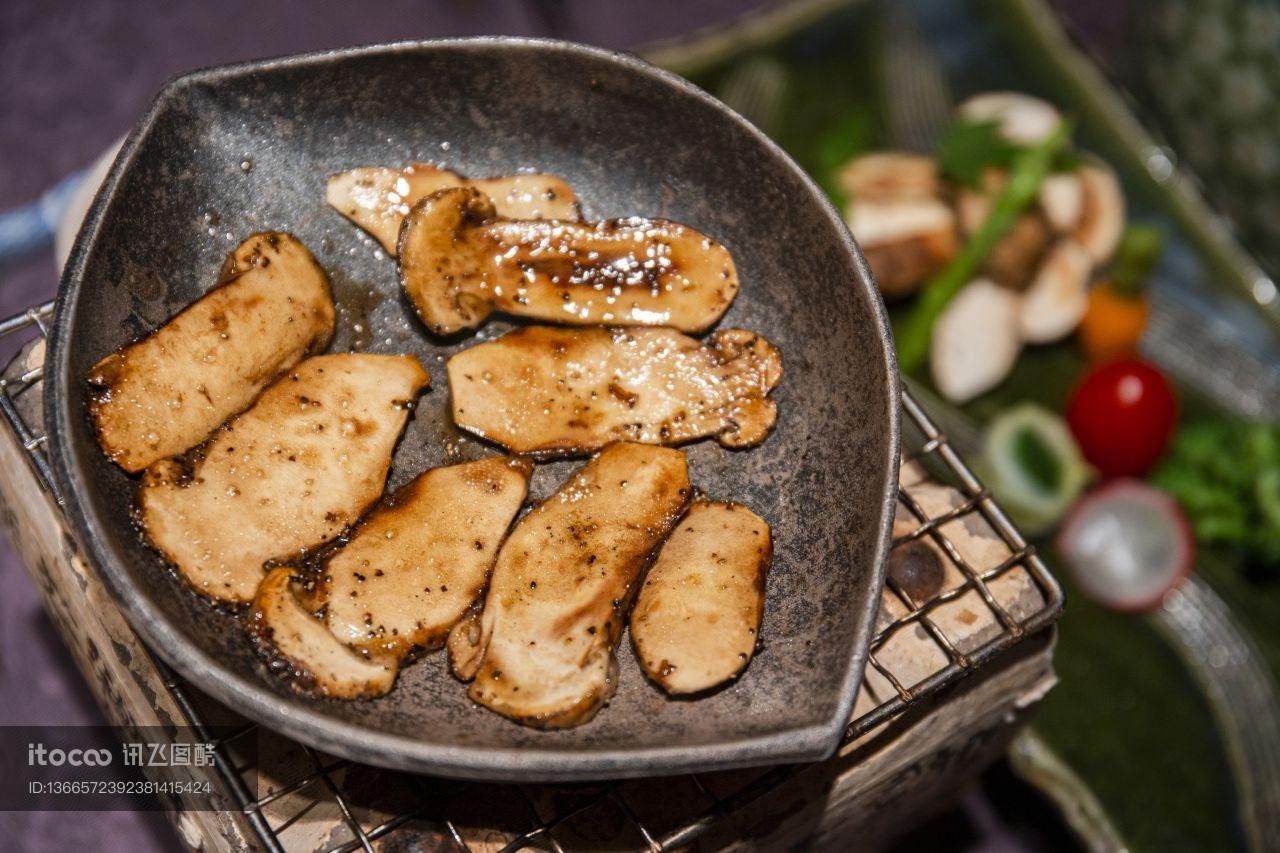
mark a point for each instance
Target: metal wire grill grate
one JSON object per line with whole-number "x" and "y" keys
{"x": 12, "y": 387}
{"x": 654, "y": 814}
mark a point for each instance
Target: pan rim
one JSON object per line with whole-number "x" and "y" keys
{"x": 402, "y": 752}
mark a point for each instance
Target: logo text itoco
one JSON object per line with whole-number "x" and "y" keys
{"x": 37, "y": 754}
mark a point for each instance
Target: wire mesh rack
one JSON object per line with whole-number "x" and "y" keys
{"x": 372, "y": 809}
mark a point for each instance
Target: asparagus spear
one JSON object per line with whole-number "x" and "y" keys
{"x": 1028, "y": 170}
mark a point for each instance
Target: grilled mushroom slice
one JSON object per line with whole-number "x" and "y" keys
{"x": 697, "y": 616}
{"x": 556, "y": 391}
{"x": 463, "y": 643}
{"x": 1102, "y": 216}
{"x": 906, "y": 241}
{"x": 1061, "y": 200}
{"x": 460, "y": 261}
{"x": 890, "y": 176}
{"x": 897, "y": 212}
{"x": 1059, "y": 294}
{"x": 1014, "y": 259}
{"x": 290, "y": 473}
{"x": 419, "y": 560}
{"x": 165, "y": 393}
{"x": 377, "y": 199}
{"x": 555, "y": 606}
{"x": 297, "y": 645}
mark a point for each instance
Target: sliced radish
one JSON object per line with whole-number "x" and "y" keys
{"x": 1126, "y": 545}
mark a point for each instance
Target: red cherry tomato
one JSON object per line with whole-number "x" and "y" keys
{"x": 1122, "y": 415}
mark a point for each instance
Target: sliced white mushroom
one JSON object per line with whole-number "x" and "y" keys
{"x": 1102, "y": 215}
{"x": 890, "y": 176}
{"x": 906, "y": 241}
{"x": 1062, "y": 201}
{"x": 1023, "y": 119}
{"x": 1053, "y": 305}
{"x": 976, "y": 340}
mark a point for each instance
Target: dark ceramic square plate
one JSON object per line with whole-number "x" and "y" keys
{"x": 230, "y": 151}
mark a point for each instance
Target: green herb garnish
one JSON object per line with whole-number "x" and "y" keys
{"x": 966, "y": 148}
{"x": 1226, "y": 475}
{"x": 837, "y": 145}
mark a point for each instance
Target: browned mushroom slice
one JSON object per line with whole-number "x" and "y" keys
{"x": 287, "y": 475}
{"x": 549, "y": 391}
{"x": 164, "y": 394}
{"x": 420, "y": 559}
{"x": 1102, "y": 217}
{"x": 460, "y": 261}
{"x": 1014, "y": 259}
{"x": 890, "y": 176}
{"x": 906, "y": 241}
{"x": 899, "y": 216}
{"x": 297, "y": 645}
{"x": 1059, "y": 294}
{"x": 463, "y": 643}
{"x": 377, "y": 199}
{"x": 1061, "y": 199}
{"x": 555, "y": 606}
{"x": 698, "y": 612}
